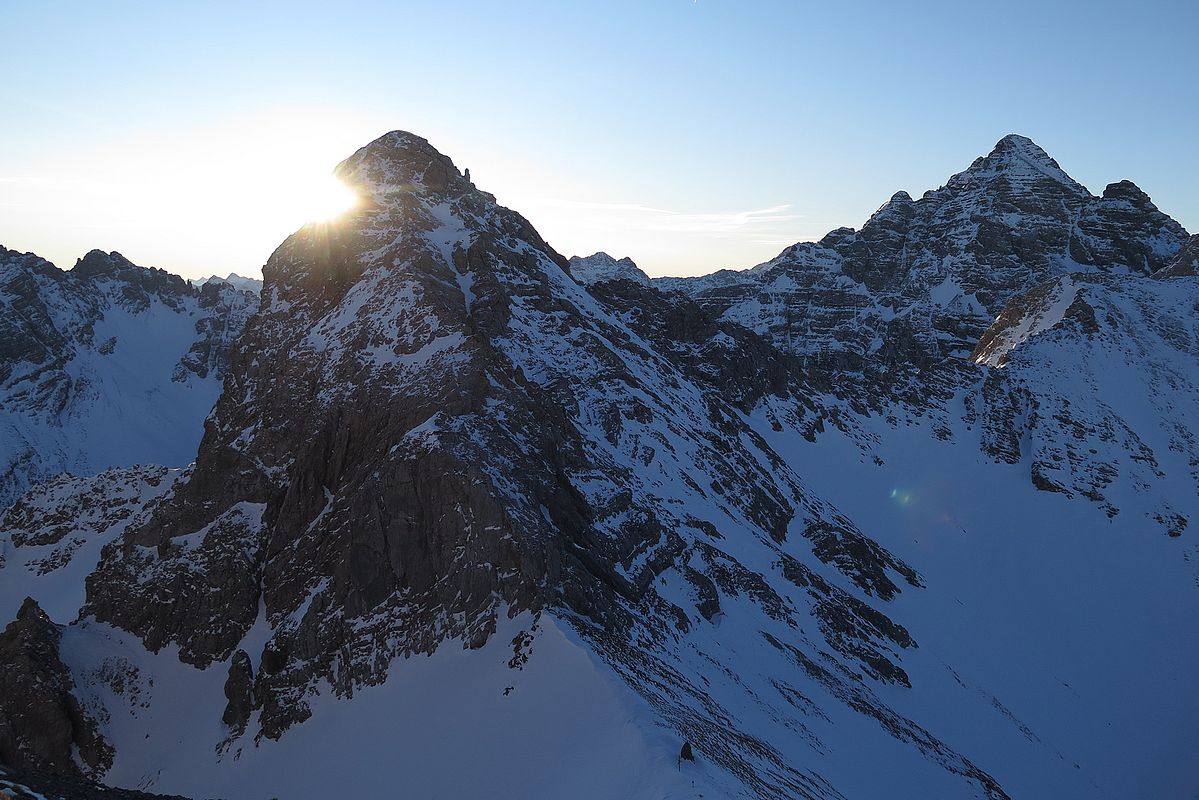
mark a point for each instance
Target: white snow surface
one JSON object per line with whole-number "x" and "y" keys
{"x": 460, "y": 723}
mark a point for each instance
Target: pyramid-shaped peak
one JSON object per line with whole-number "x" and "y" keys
{"x": 401, "y": 144}
{"x": 1019, "y": 152}
{"x": 1023, "y": 146}
{"x": 1021, "y": 162}
{"x": 402, "y": 161}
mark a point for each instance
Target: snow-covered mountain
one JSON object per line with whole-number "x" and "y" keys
{"x": 600, "y": 267}
{"x": 923, "y": 279}
{"x": 107, "y": 364}
{"x": 904, "y": 512}
{"x": 233, "y": 279}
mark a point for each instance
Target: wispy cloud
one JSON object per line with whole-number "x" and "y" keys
{"x": 668, "y": 241}
{"x": 632, "y": 215}
{"x": 646, "y": 217}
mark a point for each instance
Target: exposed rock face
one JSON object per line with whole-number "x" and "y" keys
{"x": 239, "y": 691}
{"x": 711, "y": 351}
{"x": 237, "y": 281}
{"x": 42, "y": 725}
{"x": 109, "y": 364}
{"x": 223, "y": 316}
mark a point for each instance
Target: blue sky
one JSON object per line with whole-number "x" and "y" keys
{"x": 689, "y": 135}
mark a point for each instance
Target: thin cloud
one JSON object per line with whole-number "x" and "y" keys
{"x": 638, "y": 216}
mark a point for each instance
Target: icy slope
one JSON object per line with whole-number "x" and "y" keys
{"x": 459, "y": 723}
{"x": 1056, "y": 642}
{"x": 106, "y": 365}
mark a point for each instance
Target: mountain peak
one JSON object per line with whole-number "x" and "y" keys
{"x": 1015, "y": 147}
{"x": 400, "y": 161}
{"x": 98, "y": 262}
{"x": 600, "y": 267}
{"x": 1016, "y": 142}
{"x": 1129, "y": 191}
{"x": 1021, "y": 160}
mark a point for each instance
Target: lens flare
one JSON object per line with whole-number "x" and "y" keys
{"x": 322, "y": 200}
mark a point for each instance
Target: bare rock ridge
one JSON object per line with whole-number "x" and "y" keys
{"x": 233, "y": 279}
{"x": 434, "y": 429}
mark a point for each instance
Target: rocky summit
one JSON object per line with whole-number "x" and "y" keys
{"x": 903, "y": 512}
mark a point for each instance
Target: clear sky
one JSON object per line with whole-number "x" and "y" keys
{"x": 690, "y": 135}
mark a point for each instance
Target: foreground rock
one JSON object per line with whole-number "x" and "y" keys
{"x": 43, "y": 727}
{"x": 23, "y": 785}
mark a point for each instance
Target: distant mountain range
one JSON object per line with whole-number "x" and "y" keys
{"x": 233, "y": 279}
{"x": 906, "y": 512}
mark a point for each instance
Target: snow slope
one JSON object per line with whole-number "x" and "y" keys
{"x": 459, "y": 723}
{"x": 1055, "y": 642}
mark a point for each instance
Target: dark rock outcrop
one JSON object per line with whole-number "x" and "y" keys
{"x": 25, "y": 785}
{"x": 42, "y": 724}
{"x": 239, "y": 691}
